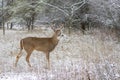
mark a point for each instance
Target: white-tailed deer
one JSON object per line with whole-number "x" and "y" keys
{"x": 45, "y": 45}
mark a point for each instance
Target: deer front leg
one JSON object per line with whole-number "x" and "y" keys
{"x": 48, "y": 60}
{"x": 27, "y": 59}
{"x": 29, "y": 51}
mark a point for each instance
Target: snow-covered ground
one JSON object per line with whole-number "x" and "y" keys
{"x": 77, "y": 57}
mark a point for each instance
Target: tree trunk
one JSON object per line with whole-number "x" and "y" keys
{"x": 32, "y": 23}
{"x": 7, "y": 25}
{"x": 11, "y": 25}
{"x": 70, "y": 26}
{"x": 28, "y": 25}
{"x": 32, "y": 20}
{"x": 28, "y": 21}
{"x": 3, "y": 24}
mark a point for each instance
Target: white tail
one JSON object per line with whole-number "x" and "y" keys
{"x": 45, "y": 45}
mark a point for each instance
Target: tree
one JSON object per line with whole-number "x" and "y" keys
{"x": 68, "y": 8}
{"x": 3, "y": 18}
{"x": 107, "y": 12}
{"x": 23, "y": 11}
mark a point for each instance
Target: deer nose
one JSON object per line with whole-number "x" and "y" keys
{"x": 62, "y": 35}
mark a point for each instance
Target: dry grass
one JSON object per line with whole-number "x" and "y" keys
{"x": 93, "y": 56}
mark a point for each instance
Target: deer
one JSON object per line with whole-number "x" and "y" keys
{"x": 44, "y": 44}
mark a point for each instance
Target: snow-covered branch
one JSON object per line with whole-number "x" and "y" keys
{"x": 77, "y": 3}
{"x": 76, "y": 8}
{"x": 73, "y": 7}
{"x": 54, "y": 7}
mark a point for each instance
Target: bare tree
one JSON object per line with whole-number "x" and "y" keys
{"x": 3, "y": 18}
{"x": 68, "y": 10}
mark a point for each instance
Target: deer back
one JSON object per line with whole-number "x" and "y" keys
{"x": 40, "y": 44}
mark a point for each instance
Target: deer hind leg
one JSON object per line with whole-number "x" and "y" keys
{"x": 29, "y": 51}
{"x": 48, "y": 60}
{"x": 18, "y": 56}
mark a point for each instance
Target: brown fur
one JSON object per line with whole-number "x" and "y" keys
{"x": 45, "y": 45}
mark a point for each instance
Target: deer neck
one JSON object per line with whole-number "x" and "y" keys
{"x": 54, "y": 39}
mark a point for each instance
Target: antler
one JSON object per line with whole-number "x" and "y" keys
{"x": 61, "y": 26}
{"x": 52, "y": 26}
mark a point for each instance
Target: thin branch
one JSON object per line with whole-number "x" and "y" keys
{"x": 54, "y": 7}
{"x": 74, "y": 8}
{"x": 77, "y": 3}
{"x": 80, "y": 5}
{"x": 118, "y": 6}
{"x": 76, "y": 20}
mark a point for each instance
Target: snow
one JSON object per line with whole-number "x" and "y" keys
{"x": 75, "y": 58}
